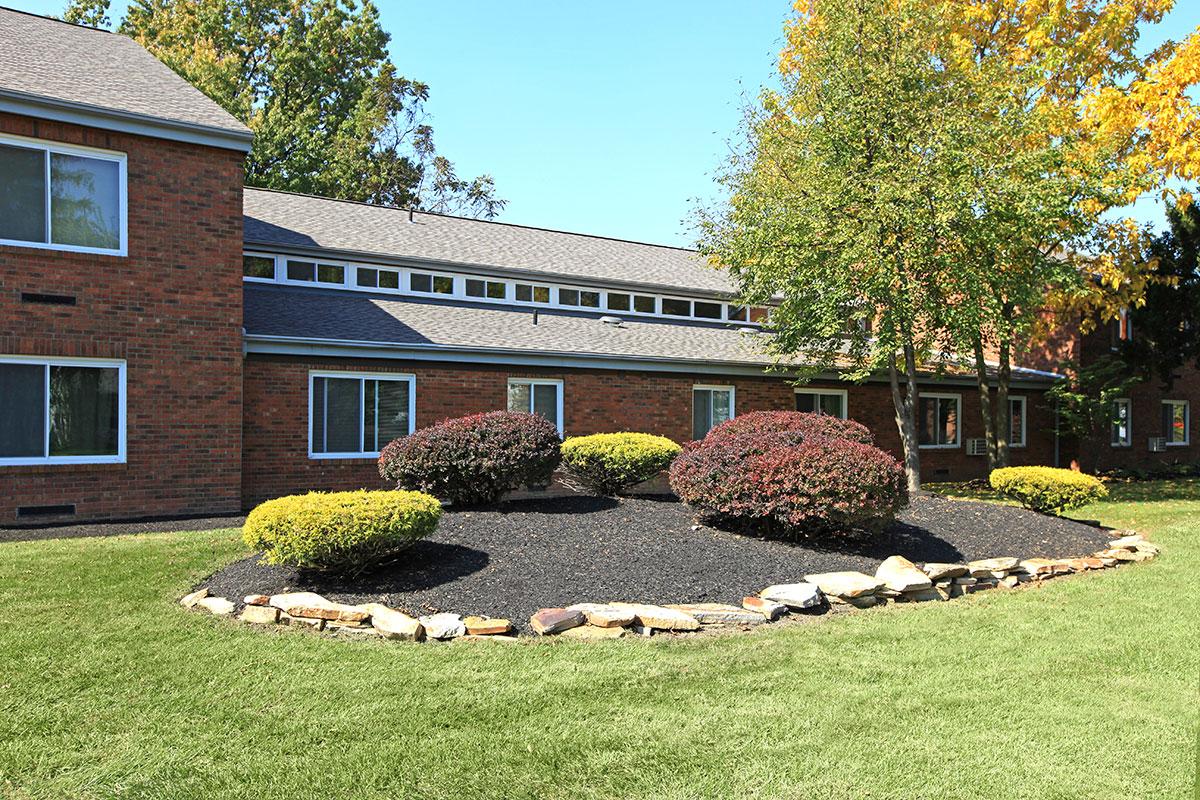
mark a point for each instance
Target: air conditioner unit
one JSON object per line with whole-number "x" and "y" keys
{"x": 1158, "y": 444}
{"x": 977, "y": 447}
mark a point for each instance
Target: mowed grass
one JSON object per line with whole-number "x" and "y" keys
{"x": 1084, "y": 687}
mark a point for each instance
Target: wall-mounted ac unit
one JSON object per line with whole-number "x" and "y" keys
{"x": 1158, "y": 444}
{"x": 977, "y": 447}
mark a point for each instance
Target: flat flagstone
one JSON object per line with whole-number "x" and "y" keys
{"x": 988, "y": 567}
{"x": 392, "y": 624}
{"x": 190, "y": 600}
{"x": 901, "y": 575}
{"x": 312, "y": 605}
{"x": 769, "y": 609}
{"x": 938, "y": 571}
{"x": 442, "y": 626}
{"x": 260, "y": 615}
{"x": 555, "y": 620}
{"x": 660, "y": 617}
{"x": 603, "y": 615}
{"x": 216, "y": 605}
{"x": 793, "y": 595}
{"x": 486, "y": 626}
{"x": 256, "y": 600}
{"x": 718, "y": 613}
{"x": 845, "y": 584}
{"x": 592, "y": 633}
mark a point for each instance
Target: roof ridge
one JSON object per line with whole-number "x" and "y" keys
{"x": 58, "y": 20}
{"x": 474, "y": 219}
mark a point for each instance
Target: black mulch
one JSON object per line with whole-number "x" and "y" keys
{"x": 80, "y": 531}
{"x": 513, "y": 559}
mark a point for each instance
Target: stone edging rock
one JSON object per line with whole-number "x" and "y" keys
{"x": 896, "y": 580}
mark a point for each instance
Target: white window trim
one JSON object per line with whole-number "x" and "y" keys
{"x": 1128, "y": 440}
{"x": 88, "y": 152}
{"x": 557, "y": 382}
{"x": 715, "y": 387}
{"x": 362, "y": 376}
{"x": 958, "y": 431}
{"x": 845, "y": 395}
{"x": 1024, "y": 422}
{"x": 274, "y": 258}
{"x": 1187, "y": 422}
{"x": 122, "y": 398}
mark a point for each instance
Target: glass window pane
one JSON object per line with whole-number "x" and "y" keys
{"x": 806, "y": 402}
{"x": 301, "y": 270}
{"x": 389, "y": 280}
{"x": 393, "y": 418}
{"x": 443, "y": 284}
{"x": 368, "y": 418}
{"x": 419, "y": 282}
{"x": 926, "y": 411}
{"x": 707, "y": 310}
{"x": 22, "y": 410}
{"x": 84, "y": 411}
{"x": 676, "y": 308}
{"x": 541, "y": 294}
{"x": 317, "y": 434}
{"x": 618, "y": 302}
{"x": 739, "y": 313}
{"x": 702, "y": 420}
{"x": 22, "y": 194}
{"x": 722, "y": 406}
{"x": 1120, "y": 430}
{"x": 589, "y": 299}
{"x": 1175, "y": 422}
{"x": 1016, "y": 425}
{"x": 368, "y": 277}
{"x": 568, "y": 297}
{"x": 831, "y": 404}
{"x": 643, "y": 304}
{"x": 519, "y": 398}
{"x": 475, "y": 288}
{"x": 85, "y": 201}
{"x": 342, "y": 414}
{"x": 496, "y": 290}
{"x": 545, "y": 401}
{"x": 329, "y": 273}
{"x": 947, "y": 421}
{"x": 258, "y": 267}
{"x": 523, "y": 292}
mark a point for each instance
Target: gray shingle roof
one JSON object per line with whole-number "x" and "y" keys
{"x": 360, "y": 317}
{"x": 107, "y": 72}
{"x": 303, "y": 221}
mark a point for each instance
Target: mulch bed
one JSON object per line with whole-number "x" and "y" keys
{"x": 511, "y": 560}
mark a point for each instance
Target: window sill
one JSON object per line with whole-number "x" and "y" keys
{"x": 63, "y": 461}
{"x": 939, "y": 447}
{"x": 66, "y": 248}
{"x": 343, "y": 456}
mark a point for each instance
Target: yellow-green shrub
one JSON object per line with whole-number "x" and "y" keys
{"x": 608, "y": 463}
{"x": 339, "y": 530}
{"x": 1046, "y": 488}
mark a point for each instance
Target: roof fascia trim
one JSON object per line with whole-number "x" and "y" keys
{"x": 122, "y": 121}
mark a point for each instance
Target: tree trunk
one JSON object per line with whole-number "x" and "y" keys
{"x": 1003, "y": 378}
{"x": 906, "y": 416}
{"x": 985, "y": 401}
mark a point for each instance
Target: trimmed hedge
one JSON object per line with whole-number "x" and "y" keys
{"x": 609, "y": 463}
{"x": 1047, "y": 489}
{"x": 476, "y": 459}
{"x": 808, "y": 424}
{"x": 787, "y": 483}
{"x": 339, "y": 530}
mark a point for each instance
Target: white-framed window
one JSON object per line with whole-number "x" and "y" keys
{"x": 711, "y": 405}
{"x": 537, "y": 396}
{"x": 582, "y": 298}
{"x": 822, "y": 401}
{"x": 492, "y": 290}
{"x": 300, "y": 270}
{"x": 1176, "y": 421}
{"x": 1122, "y": 422}
{"x": 61, "y": 411}
{"x": 258, "y": 267}
{"x": 938, "y": 417}
{"x": 1016, "y": 421}
{"x": 428, "y": 283}
{"x": 356, "y": 414}
{"x": 531, "y": 293}
{"x": 377, "y": 278}
{"x": 62, "y": 197}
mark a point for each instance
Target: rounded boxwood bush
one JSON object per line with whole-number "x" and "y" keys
{"x": 473, "y": 460}
{"x": 786, "y": 483}
{"x": 339, "y": 530}
{"x": 806, "y": 423}
{"x": 1047, "y": 489}
{"x": 609, "y": 463}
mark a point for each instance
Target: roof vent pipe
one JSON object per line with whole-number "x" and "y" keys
{"x": 410, "y": 214}
{"x": 535, "y": 313}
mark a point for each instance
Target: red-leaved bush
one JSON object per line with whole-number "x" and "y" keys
{"x": 808, "y": 424}
{"x": 473, "y": 460}
{"x": 790, "y": 482}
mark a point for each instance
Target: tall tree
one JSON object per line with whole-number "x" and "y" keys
{"x": 313, "y": 80}
{"x": 842, "y": 204}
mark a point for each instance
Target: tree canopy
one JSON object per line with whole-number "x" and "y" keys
{"x": 313, "y": 79}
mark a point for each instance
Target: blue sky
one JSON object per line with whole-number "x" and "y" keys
{"x": 606, "y": 118}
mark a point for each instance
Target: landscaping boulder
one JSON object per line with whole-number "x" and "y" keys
{"x": 549, "y": 621}
{"x": 313, "y": 606}
{"x": 392, "y": 624}
{"x": 603, "y": 615}
{"x": 190, "y": 600}
{"x": 443, "y": 626}
{"x": 793, "y": 595}
{"x": 718, "y": 613}
{"x": 216, "y": 605}
{"x": 256, "y": 600}
{"x": 845, "y": 584}
{"x": 769, "y": 609}
{"x": 260, "y": 615}
{"x": 486, "y": 626}
{"x": 660, "y": 617}
{"x": 901, "y": 575}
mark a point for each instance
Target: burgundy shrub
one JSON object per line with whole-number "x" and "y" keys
{"x": 784, "y": 482}
{"x": 810, "y": 425}
{"x": 475, "y": 459}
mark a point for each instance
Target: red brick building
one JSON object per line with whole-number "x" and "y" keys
{"x": 174, "y": 344}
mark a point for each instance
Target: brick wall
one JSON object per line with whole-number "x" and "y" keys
{"x": 275, "y": 454}
{"x": 172, "y": 308}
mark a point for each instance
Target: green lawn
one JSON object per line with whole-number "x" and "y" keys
{"x": 1084, "y": 687}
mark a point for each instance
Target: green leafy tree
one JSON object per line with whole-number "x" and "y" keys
{"x": 1085, "y": 399}
{"x": 313, "y": 80}
{"x": 844, "y": 204}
